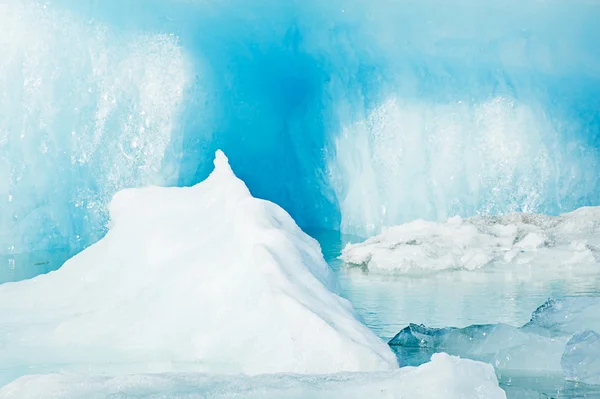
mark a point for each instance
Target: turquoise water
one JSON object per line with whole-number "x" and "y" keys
{"x": 388, "y": 303}
{"x": 456, "y": 298}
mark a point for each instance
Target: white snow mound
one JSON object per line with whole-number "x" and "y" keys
{"x": 203, "y": 278}
{"x": 444, "y": 377}
{"x": 518, "y": 239}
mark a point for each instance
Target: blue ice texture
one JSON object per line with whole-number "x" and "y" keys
{"x": 350, "y": 114}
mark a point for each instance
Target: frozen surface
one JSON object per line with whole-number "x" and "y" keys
{"x": 197, "y": 278}
{"x": 444, "y": 377}
{"x": 363, "y": 114}
{"x": 520, "y": 240}
{"x": 581, "y": 360}
{"x": 546, "y": 344}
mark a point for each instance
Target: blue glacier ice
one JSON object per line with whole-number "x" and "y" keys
{"x": 560, "y": 338}
{"x": 350, "y": 114}
{"x": 581, "y": 360}
{"x": 504, "y": 346}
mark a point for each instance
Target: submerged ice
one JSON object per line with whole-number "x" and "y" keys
{"x": 561, "y": 337}
{"x": 519, "y": 240}
{"x": 193, "y": 278}
{"x": 581, "y": 360}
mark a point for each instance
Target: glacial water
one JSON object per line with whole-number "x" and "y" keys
{"x": 388, "y": 303}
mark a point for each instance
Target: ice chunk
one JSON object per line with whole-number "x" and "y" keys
{"x": 504, "y": 346}
{"x": 566, "y": 316}
{"x": 545, "y": 344}
{"x": 194, "y": 278}
{"x": 444, "y": 377}
{"x": 581, "y": 360}
{"x": 519, "y": 239}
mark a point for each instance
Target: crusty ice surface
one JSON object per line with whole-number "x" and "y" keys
{"x": 520, "y": 240}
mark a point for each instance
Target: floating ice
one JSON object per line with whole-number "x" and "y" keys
{"x": 504, "y": 346}
{"x": 545, "y": 344}
{"x": 519, "y": 239}
{"x": 444, "y": 377}
{"x": 195, "y": 278}
{"x": 566, "y": 316}
{"x": 581, "y": 360}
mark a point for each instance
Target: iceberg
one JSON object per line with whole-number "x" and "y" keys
{"x": 503, "y": 346}
{"x": 444, "y": 377}
{"x": 520, "y": 240}
{"x": 566, "y": 316}
{"x": 202, "y": 278}
{"x": 557, "y": 339}
{"x": 577, "y": 317}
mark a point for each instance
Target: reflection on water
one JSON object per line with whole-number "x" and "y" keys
{"x": 388, "y": 303}
{"x": 456, "y": 298}
{"x": 534, "y": 386}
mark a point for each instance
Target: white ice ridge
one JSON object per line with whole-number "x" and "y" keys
{"x": 519, "y": 239}
{"x": 202, "y": 278}
{"x": 445, "y": 377}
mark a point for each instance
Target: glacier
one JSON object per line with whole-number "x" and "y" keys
{"x": 472, "y": 125}
{"x": 521, "y": 241}
{"x": 202, "y": 278}
{"x": 362, "y": 115}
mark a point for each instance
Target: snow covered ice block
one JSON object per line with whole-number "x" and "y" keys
{"x": 519, "y": 239}
{"x": 444, "y": 377}
{"x": 581, "y": 360}
{"x": 202, "y": 278}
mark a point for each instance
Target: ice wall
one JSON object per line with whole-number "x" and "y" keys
{"x": 350, "y": 114}
{"x": 85, "y": 110}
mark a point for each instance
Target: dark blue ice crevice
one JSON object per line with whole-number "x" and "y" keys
{"x": 350, "y": 114}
